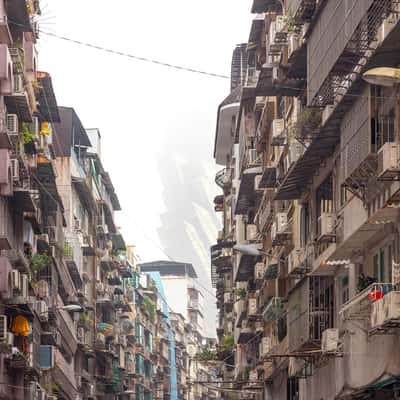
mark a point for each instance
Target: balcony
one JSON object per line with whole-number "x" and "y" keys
{"x": 247, "y": 196}
{"x": 310, "y": 312}
{"x": 73, "y": 259}
{"x": 67, "y": 328}
{"x": 246, "y": 264}
{"x": 64, "y": 375}
{"x": 265, "y": 214}
{"x": 301, "y": 11}
{"x": 245, "y": 333}
{"x": 268, "y": 177}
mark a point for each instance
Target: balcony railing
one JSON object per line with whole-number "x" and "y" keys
{"x": 359, "y": 307}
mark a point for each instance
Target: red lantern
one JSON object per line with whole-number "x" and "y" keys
{"x": 375, "y": 295}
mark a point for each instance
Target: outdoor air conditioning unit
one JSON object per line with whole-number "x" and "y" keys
{"x": 252, "y": 157}
{"x": 15, "y": 280}
{"x": 252, "y": 306}
{"x": 278, "y": 125}
{"x": 12, "y": 124}
{"x": 14, "y": 169}
{"x": 42, "y": 310}
{"x": 326, "y": 113}
{"x": 293, "y": 44}
{"x": 330, "y": 340}
{"x": 18, "y": 84}
{"x": 3, "y": 328}
{"x": 281, "y": 222}
{"x": 296, "y": 150}
{"x": 266, "y": 346}
{"x": 281, "y": 26}
{"x": 327, "y": 224}
{"x": 259, "y": 270}
{"x": 388, "y": 161}
{"x": 24, "y": 285}
{"x": 391, "y": 307}
{"x": 251, "y": 232}
{"x": 46, "y": 357}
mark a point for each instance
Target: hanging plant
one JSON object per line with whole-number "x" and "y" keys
{"x": 28, "y": 135}
{"x": 38, "y": 263}
{"x": 241, "y": 293}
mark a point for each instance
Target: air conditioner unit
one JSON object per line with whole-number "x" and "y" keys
{"x": 391, "y": 307}
{"x": 266, "y": 346}
{"x": 296, "y": 150}
{"x": 252, "y": 306}
{"x": 388, "y": 161}
{"x": 24, "y": 285}
{"x": 293, "y": 44}
{"x": 251, "y": 232}
{"x": 3, "y": 328}
{"x": 295, "y": 260}
{"x": 252, "y": 156}
{"x": 281, "y": 26}
{"x": 46, "y": 357}
{"x": 326, "y": 223}
{"x": 330, "y": 340}
{"x": 16, "y": 280}
{"x": 259, "y": 270}
{"x": 326, "y": 113}
{"x": 281, "y": 222}
{"x": 42, "y": 310}
{"x": 18, "y": 84}
{"x": 278, "y": 125}
{"x": 14, "y": 169}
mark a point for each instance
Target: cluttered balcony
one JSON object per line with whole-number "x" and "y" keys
{"x": 339, "y": 86}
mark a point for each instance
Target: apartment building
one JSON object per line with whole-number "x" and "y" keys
{"x": 306, "y": 266}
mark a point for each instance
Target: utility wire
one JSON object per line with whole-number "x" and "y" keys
{"x": 139, "y": 58}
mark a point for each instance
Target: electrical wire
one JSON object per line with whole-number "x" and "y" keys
{"x": 135, "y": 57}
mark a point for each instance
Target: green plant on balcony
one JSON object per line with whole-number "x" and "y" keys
{"x": 241, "y": 293}
{"x": 306, "y": 123}
{"x": 52, "y": 388}
{"x": 68, "y": 250}
{"x": 150, "y": 308}
{"x": 85, "y": 320}
{"x": 28, "y": 135}
{"x": 207, "y": 355}
{"x": 38, "y": 263}
{"x": 37, "y": 87}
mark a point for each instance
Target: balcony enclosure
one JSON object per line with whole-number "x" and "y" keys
{"x": 364, "y": 130}
{"x": 310, "y": 312}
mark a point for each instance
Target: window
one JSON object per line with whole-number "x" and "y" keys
{"x": 382, "y": 263}
{"x": 293, "y": 392}
{"x": 344, "y": 289}
{"x": 304, "y": 225}
{"x": 139, "y": 333}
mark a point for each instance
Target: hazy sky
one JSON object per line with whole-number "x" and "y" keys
{"x": 138, "y": 106}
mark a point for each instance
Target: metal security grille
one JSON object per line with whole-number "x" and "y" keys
{"x": 355, "y": 135}
{"x": 337, "y": 51}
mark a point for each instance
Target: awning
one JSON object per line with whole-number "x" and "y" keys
{"x": 246, "y": 267}
{"x": 23, "y": 200}
{"x": 247, "y": 194}
{"x": 18, "y": 16}
{"x": 19, "y": 104}
{"x": 74, "y": 272}
{"x": 262, "y": 6}
{"x": 48, "y": 108}
{"x": 85, "y": 194}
